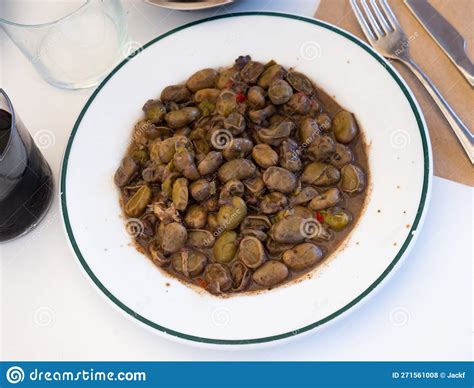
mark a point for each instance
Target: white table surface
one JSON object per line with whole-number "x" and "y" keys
{"x": 50, "y": 311}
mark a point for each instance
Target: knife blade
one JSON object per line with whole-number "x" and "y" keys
{"x": 445, "y": 35}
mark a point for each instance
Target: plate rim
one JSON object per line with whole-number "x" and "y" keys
{"x": 402, "y": 252}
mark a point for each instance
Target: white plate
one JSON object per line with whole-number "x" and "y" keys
{"x": 363, "y": 82}
{"x": 188, "y": 6}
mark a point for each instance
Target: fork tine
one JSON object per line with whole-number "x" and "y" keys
{"x": 390, "y": 15}
{"x": 363, "y": 23}
{"x": 380, "y": 17}
{"x": 375, "y": 26}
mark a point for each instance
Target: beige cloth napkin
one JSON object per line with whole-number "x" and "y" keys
{"x": 450, "y": 161}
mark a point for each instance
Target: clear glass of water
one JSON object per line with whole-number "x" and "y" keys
{"x": 73, "y": 44}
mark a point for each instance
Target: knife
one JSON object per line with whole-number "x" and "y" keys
{"x": 445, "y": 35}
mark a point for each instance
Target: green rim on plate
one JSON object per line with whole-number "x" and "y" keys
{"x": 400, "y": 253}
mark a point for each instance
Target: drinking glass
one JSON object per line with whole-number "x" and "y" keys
{"x": 26, "y": 182}
{"x": 73, "y": 44}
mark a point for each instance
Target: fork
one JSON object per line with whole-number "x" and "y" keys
{"x": 384, "y": 33}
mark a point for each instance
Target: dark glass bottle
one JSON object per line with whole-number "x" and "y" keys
{"x": 26, "y": 182}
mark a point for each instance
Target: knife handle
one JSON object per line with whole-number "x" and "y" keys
{"x": 465, "y": 137}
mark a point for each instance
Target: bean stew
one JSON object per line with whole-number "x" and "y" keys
{"x": 242, "y": 178}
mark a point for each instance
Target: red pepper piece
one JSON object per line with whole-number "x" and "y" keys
{"x": 240, "y": 97}
{"x": 319, "y": 217}
{"x": 202, "y": 283}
